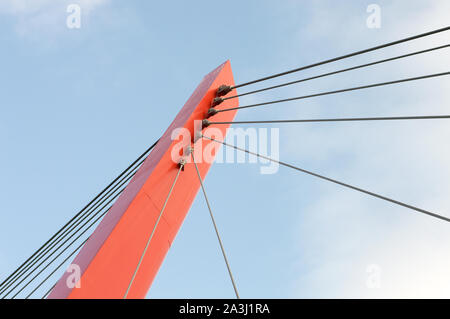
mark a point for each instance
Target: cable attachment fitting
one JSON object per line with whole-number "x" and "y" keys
{"x": 198, "y": 135}
{"x": 181, "y": 164}
{"x": 206, "y": 123}
{"x": 212, "y": 112}
{"x": 223, "y": 90}
{"x": 188, "y": 150}
{"x": 217, "y": 101}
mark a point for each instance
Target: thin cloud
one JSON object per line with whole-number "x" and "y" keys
{"x": 37, "y": 19}
{"x": 345, "y": 232}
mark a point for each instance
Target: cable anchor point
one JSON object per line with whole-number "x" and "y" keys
{"x": 224, "y": 90}
{"x": 217, "y": 101}
{"x": 181, "y": 164}
{"x": 198, "y": 135}
{"x": 206, "y": 123}
{"x": 211, "y": 112}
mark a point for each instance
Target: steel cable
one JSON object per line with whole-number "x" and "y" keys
{"x": 424, "y": 117}
{"x": 215, "y": 228}
{"x": 180, "y": 168}
{"x": 345, "y": 56}
{"x": 335, "y": 181}
{"x": 25, "y": 264}
{"x": 338, "y": 71}
{"x": 336, "y": 91}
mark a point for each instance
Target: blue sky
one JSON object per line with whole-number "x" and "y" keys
{"x": 77, "y": 106}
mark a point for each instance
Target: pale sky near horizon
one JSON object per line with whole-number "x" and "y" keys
{"x": 78, "y": 105}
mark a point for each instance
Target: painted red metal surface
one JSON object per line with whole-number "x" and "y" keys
{"x": 110, "y": 256}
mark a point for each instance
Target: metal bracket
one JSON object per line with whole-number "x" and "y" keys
{"x": 224, "y": 90}
{"x": 181, "y": 164}
{"x": 217, "y": 101}
{"x": 212, "y": 112}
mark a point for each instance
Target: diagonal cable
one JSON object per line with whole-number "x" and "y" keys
{"x": 56, "y": 269}
{"x": 42, "y": 250}
{"x": 335, "y": 181}
{"x": 57, "y": 256}
{"x": 340, "y": 71}
{"x": 60, "y": 246}
{"x": 51, "y": 250}
{"x": 345, "y": 56}
{"x": 215, "y": 228}
{"x": 180, "y": 168}
{"x": 338, "y": 91}
{"x": 48, "y": 291}
{"x": 351, "y": 119}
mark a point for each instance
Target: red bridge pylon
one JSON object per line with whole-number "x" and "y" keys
{"x": 110, "y": 257}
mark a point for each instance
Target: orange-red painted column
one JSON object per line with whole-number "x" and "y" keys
{"x": 109, "y": 258}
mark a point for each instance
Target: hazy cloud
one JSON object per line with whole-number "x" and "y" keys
{"x": 35, "y": 18}
{"x": 344, "y": 231}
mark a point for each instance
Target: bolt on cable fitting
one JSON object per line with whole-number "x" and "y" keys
{"x": 223, "y": 90}
{"x": 206, "y": 123}
{"x": 181, "y": 164}
{"x": 217, "y": 101}
{"x": 211, "y": 112}
{"x": 188, "y": 150}
{"x": 198, "y": 135}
